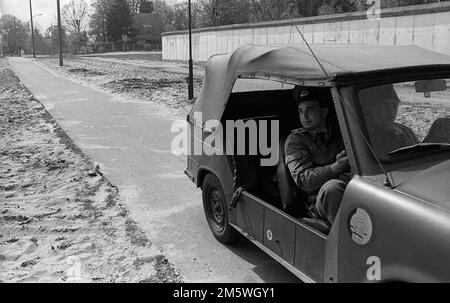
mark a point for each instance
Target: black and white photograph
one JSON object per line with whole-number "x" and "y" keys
{"x": 224, "y": 147}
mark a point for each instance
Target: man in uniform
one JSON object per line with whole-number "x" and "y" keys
{"x": 380, "y": 106}
{"x": 315, "y": 155}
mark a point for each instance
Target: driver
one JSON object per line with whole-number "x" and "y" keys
{"x": 380, "y": 107}
{"x": 315, "y": 155}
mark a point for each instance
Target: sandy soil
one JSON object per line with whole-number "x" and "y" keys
{"x": 420, "y": 118}
{"x": 145, "y": 77}
{"x": 142, "y": 77}
{"x": 418, "y": 112}
{"x": 60, "y": 219}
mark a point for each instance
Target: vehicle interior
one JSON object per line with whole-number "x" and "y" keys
{"x": 395, "y": 102}
{"x": 273, "y": 184}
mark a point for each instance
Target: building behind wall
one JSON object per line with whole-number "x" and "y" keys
{"x": 149, "y": 27}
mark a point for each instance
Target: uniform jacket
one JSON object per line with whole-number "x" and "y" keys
{"x": 309, "y": 157}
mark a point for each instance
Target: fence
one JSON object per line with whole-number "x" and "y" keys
{"x": 426, "y": 25}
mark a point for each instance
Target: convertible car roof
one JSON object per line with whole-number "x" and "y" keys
{"x": 296, "y": 62}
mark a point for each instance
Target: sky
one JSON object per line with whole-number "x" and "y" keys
{"x": 21, "y": 9}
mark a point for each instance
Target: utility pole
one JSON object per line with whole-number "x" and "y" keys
{"x": 61, "y": 61}
{"x": 15, "y": 34}
{"x": 191, "y": 63}
{"x": 32, "y": 30}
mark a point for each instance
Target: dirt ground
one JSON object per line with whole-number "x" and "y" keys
{"x": 60, "y": 219}
{"x": 144, "y": 77}
{"x": 141, "y": 77}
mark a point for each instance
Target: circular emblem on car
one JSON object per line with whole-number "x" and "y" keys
{"x": 269, "y": 235}
{"x": 361, "y": 227}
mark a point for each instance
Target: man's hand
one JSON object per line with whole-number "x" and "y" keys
{"x": 341, "y": 165}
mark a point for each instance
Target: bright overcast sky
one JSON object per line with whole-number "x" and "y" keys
{"x": 21, "y": 9}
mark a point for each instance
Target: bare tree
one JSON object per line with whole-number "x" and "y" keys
{"x": 14, "y": 32}
{"x": 268, "y": 10}
{"x": 146, "y": 6}
{"x": 141, "y": 6}
{"x": 97, "y": 21}
{"x": 181, "y": 19}
{"x": 75, "y": 16}
{"x": 119, "y": 19}
{"x": 134, "y": 5}
{"x": 224, "y": 12}
{"x": 164, "y": 10}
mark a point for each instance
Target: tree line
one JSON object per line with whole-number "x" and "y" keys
{"x": 225, "y": 12}
{"x": 106, "y": 21}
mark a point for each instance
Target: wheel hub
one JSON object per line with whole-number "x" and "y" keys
{"x": 217, "y": 207}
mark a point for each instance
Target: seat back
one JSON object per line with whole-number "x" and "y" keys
{"x": 292, "y": 197}
{"x": 439, "y": 131}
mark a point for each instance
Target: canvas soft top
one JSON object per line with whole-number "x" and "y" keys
{"x": 296, "y": 63}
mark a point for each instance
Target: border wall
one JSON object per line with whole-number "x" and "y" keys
{"x": 425, "y": 25}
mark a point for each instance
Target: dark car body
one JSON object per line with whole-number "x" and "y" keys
{"x": 394, "y": 218}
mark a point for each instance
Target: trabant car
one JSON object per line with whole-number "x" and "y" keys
{"x": 393, "y": 224}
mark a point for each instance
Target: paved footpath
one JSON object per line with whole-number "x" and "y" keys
{"x": 131, "y": 143}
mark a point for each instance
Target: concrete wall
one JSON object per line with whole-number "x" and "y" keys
{"x": 427, "y": 26}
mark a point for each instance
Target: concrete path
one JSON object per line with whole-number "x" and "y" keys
{"x": 131, "y": 142}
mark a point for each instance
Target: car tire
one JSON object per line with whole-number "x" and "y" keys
{"x": 216, "y": 210}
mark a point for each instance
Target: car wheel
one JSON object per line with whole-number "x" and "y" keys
{"x": 216, "y": 210}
